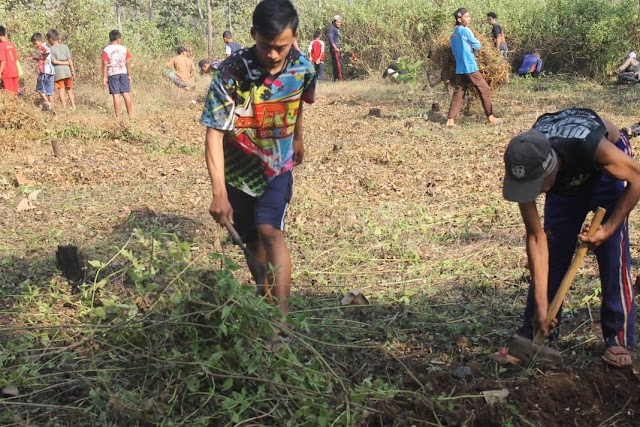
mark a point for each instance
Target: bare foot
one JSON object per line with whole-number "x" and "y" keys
{"x": 450, "y": 123}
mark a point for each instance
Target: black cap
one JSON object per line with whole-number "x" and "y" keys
{"x": 528, "y": 160}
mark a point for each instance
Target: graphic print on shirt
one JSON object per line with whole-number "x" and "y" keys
{"x": 117, "y": 56}
{"x": 264, "y": 124}
{"x": 44, "y": 63}
{"x": 573, "y": 126}
{"x": 260, "y": 113}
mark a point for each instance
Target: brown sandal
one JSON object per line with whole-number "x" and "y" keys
{"x": 617, "y": 356}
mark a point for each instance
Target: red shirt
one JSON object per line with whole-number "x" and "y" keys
{"x": 9, "y": 54}
{"x": 316, "y": 49}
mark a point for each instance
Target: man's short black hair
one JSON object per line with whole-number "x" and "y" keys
{"x": 202, "y": 63}
{"x": 53, "y": 35}
{"x": 114, "y": 35}
{"x": 3, "y": 32}
{"x": 272, "y": 17}
{"x": 316, "y": 34}
{"x": 492, "y": 15}
{"x": 181, "y": 49}
{"x": 36, "y": 36}
{"x": 227, "y": 35}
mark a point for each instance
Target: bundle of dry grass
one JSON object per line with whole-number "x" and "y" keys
{"x": 493, "y": 67}
{"x": 15, "y": 113}
{"x": 18, "y": 120}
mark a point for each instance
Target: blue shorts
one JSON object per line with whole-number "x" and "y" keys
{"x": 270, "y": 208}
{"x": 44, "y": 84}
{"x": 119, "y": 83}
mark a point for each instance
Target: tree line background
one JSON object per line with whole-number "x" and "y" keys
{"x": 586, "y": 37}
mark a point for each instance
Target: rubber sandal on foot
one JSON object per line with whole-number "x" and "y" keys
{"x": 617, "y": 356}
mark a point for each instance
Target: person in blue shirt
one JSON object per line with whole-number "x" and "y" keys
{"x": 531, "y": 65}
{"x": 463, "y": 45}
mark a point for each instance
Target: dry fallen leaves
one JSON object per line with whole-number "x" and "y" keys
{"x": 10, "y": 390}
{"x": 495, "y": 396}
{"x": 355, "y": 297}
{"x": 25, "y": 205}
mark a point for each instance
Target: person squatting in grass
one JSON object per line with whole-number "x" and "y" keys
{"x": 116, "y": 71}
{"x": 581, "y": 162}
{"x": 629, "y": 71}
{"x": 9, "y": 72}
{"x": 463, "y": 44}
{"x": 65, "y": 68}
{"x": 46, "y": 71}
{"x": 180, "y": 68}
{"x": 531, "y": 64}
{"x": 253, "y": 115}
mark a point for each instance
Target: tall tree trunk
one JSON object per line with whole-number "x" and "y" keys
{"x": 209, "y": 30}
{"x": 151, "y": 12}
{"x": 229, "y": 13}
{"x": 119, "y": 16}
{"x": 199, "y": 6}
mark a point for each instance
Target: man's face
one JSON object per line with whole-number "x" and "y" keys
{"x": 465, "y": 19}
{"x": 339, "y": 23}
{"x": 205, "y": 68}
{"x": 36, "y": 43}
{"x": 272, "y": 54}
{"x": 491, "y": 20}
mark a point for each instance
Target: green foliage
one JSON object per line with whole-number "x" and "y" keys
{"x": 413, "y": 71}
{"x": 158, "y": 341}
{"x": 588, "y": 37}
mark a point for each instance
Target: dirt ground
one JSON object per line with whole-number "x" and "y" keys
{"x": 396, "y": 205}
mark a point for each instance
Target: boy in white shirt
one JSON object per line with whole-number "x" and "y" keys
{"x": 116, "y": 71}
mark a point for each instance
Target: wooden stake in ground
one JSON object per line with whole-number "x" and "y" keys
{"x": 68, "y": 260}
{"x": 57, "y": 151}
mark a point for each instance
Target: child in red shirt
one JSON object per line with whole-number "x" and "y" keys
{"x": 8, "y": 63}
{"x": 316, "y": 54}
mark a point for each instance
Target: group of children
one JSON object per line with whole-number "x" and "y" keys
{"x": 55, "y": 66}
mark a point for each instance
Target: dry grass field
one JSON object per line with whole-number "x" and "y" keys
{"x": 396, "y": 205}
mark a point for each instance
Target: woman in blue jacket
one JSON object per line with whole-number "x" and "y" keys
{"x": 463, "y": 44}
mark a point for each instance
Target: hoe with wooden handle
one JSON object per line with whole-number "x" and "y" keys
{"x": 524, "y": 348}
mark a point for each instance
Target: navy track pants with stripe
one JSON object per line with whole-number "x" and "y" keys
{"x": 563, "y": 219}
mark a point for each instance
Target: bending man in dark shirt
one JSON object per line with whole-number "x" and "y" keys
{"x": 581, "y": 162}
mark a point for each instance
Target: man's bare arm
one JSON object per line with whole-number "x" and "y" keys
{"x": 298, "y": 145}
{"x": 220, "y": 208}
{"x": 617, "y": 164}
{"x": 538, "y": 256}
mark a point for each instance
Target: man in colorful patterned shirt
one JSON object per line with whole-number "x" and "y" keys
{"x": 253, "y": 114}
